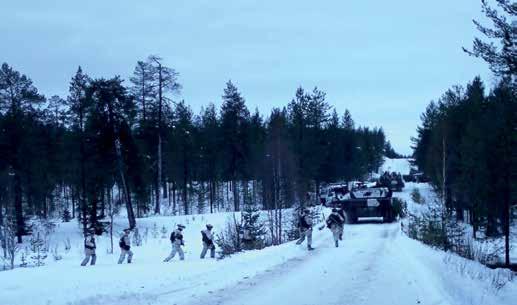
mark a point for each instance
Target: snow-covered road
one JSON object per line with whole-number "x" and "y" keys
{"x": 368, "y": 268}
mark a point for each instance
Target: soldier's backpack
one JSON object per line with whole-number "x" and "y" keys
{"x": 205, "y": 238}
{"x": 122, "y": 244}
{"x": 329, "y": 222}
{"x": 302, "y": 223}
{"x": 173, "y": 236}
{"x": 87, "y": 246}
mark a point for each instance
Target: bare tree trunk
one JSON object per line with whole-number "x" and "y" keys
{"x": 159, "y": 153}
{"x": 169, "y": 193}
{"x": 111, "y": 212}
{"x": 18, "y": 209}
{"x": 103, "y": 204}
{"x": 127, "y": 195}
{"x": 235, "y": 189}
{"x": 72, "y": 193}
{"x": 184, "y": 194}
{"x": 444, "y": 191}
{"x": 159, "y": 171}
{"x": 507, "y": 189}
{"x": 174, "y": 199}
{"x": 211, "y": 195}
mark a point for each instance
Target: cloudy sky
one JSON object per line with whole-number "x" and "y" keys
{"x": 382, "y": 60}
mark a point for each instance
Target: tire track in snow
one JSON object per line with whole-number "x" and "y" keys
{"x": 326, "y": 276}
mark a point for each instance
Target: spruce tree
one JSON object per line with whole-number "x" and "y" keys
{"x": 18, "y": 99}
{"x": 234, "y": 125}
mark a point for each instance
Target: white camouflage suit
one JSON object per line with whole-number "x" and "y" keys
{"x": 305, "y": 230}
{"x": 335, "y": 223}
{"x": 176, "y": 246}
{"x": 127, "y": 251}
{"x": 208, "y": 243}
{"x": 89, "y": 252}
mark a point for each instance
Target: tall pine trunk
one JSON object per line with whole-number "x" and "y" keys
{"x": 158, "y": 174}
{"x": 159, "y": 152}
{"x": 82, "y": 196}
{"x": 235, "y": 190}
{"x": 125, "y": 188}
{"x": 18, "y": 208}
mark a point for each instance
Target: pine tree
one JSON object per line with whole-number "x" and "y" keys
{"x": 252, "y": 228}
{"x": 234, "y": 125}
{"x": 502, "y": 60}
{"x": 165, "y": 81}
{"x": 182, "y": 147}
{"x": 18, "y": 99}
{"x": 144, "y": 89}
{"x": 210, "y": 143}
{"x": 78, "y": 109}
{"x": 39, "y": 250}
{"x": 111, "y": 112}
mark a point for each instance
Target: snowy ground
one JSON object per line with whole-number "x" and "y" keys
{"x": 401, "y": 166}
{"x": 375, "y": 264}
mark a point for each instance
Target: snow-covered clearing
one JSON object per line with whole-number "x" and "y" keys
{"x": 401, "y": 166}
{"x": 375, "y": 264}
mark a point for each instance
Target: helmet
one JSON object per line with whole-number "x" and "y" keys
{"x": 181, "y": 227}
{"x": 334, "y": 210}
{"x": 209, "y": 226}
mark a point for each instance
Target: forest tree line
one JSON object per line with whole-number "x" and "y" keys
{"x": 466, "y": 146}
{"x": 112, "y": 145}
{"x": 467, "y": 140}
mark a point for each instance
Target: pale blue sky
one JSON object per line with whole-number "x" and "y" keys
{"x": 383, "y": 60}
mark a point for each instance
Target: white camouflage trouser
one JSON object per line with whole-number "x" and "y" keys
{"x": 123, "y": 256}
{"x": 305, "y": 233}
{"x": 336, "y": 231}
{"x": 205, "y": 248}
{"x": 176, "y": 248}
{"x": 89, "y": 253}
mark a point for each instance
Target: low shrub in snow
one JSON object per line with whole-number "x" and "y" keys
{"x": 228, "y": 240}
{"x": 399, "y": 207}
{"x": 440, "y": 230}
{"x": 417, "y": 197}
{"x": 38, "y": 250}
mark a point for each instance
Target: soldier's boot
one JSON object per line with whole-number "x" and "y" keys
{"x": 310, "y": 248}
{"x": 337, "y": 244}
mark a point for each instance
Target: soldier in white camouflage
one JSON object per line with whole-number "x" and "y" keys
{"x": 341, "y": 213}
{"x": 176, "y": 243}
{"x": 335, "y": 223}
{"x": 89, "y": 250}
{"x": 305, "y": 226}
{"x": 125, "y": 247}
{"x": 208, "y": 241}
